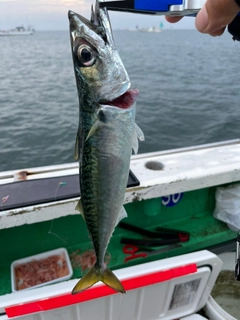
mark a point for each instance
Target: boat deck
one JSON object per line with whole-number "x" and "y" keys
{"x": 177, "y": 191}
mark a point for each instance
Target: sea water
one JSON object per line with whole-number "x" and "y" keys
{"x": 188, "y": 83}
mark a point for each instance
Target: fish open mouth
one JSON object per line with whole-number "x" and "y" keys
{"x": 125, "y": 100}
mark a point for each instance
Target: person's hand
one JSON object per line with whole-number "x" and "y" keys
{"x": 214, "y": 16}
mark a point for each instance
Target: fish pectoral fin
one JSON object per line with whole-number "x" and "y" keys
{"x": 97, "y": 125}
{"x": 137, "y": 134}
{"x": 79, "y": 208}
{"x": 122, "y": 215}
{"x": 96, "y": 274}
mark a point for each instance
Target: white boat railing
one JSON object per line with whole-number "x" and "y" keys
{"x": 160, "y": 174}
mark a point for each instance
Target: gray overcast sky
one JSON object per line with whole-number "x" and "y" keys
{"x": 52, "y": 15}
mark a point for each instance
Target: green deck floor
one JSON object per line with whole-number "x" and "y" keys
{"x": 194, "y": 213}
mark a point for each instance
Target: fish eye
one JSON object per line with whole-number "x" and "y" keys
{"x": 86, "y": 55}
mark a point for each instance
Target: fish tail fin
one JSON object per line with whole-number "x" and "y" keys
{"x": 109, "y": 278}
{"x": 88, "y": 280}
{"x": 96, "y": 274}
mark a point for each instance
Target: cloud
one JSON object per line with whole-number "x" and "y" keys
{"x": 42, "y": 14}
{"x": 42, "y": 6}
{"x": 52, "y": 15}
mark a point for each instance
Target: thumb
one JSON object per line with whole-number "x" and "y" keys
{"x": 216, "y": 15}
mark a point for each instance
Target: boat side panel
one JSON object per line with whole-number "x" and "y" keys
{"x": 193, "y": 213}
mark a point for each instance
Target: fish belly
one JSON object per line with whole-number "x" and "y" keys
{"x": 104, "y": 175}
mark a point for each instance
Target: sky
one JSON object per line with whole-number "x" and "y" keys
{"x": 52, "y": 15}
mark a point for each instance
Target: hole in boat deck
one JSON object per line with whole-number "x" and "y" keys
{"x": 154, "y": 165}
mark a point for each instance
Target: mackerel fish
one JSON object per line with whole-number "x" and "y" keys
{"x": 106, "y": 135}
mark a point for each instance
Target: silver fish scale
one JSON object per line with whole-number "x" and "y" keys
{"x": 104, "y": 174}
{"x": 105, "y": 137}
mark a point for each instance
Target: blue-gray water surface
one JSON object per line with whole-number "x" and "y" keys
{"x": 188, "y": 84}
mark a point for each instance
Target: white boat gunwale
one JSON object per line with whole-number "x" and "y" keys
{"x": 183, "y": 170}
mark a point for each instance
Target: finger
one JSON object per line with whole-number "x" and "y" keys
{"x": 173, "y": 19}
{"x": 215, "y": 15}
{"x": 218, "y": 32}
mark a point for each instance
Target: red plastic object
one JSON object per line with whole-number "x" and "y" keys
{"x": 98, "y": 292}
{"x": 132, "y": 249}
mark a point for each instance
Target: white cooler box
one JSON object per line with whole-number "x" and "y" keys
{"x": 172, "y": 288}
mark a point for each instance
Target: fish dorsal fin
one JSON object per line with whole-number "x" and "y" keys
{"x": 97, "y": 125}
{"x": 79, "y": 208}
{"x": 137, "y": 134}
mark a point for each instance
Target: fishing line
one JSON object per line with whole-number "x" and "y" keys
{"x": 70, "y": 249}
{"x": 55, "y": 234}
{"x": 60, "y": 184}
{"x": 40, "y": 316}
{"x": 120, "y": 306}
{"x": 4, "y": 199}
{"x": 109, "y": 307}
{"x": 81, "y": 260}
{"x": 140, "y": 298}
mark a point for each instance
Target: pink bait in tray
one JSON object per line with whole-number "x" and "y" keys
{"x": 44, "y": 268}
